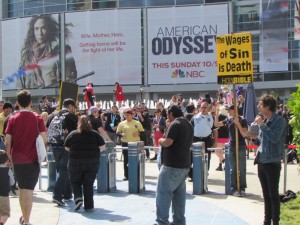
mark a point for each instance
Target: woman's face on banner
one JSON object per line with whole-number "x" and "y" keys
{"x": 40, "y": 31}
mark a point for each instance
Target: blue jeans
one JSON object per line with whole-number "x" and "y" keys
{"x": 269, "y": 176}
{"x": 171, "y": 188}
{"x": 62, "y": 187}
{"x": 242, "y": 160}
{"x": 82, "y": 177}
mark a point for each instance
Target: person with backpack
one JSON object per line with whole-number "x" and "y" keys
{"x": 60, "y": 124}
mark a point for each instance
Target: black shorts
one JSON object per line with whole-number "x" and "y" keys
{"x": 27, "y": 175}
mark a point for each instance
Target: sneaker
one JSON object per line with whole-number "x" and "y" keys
{"x": 154, "y": 158}
{"x": 59, "y": 202}
{"x": 78, "y": 205}
{"x": 242, "y": 194}
{"x": 219, "y": 168}
{"x": 67, "y": 199}
{"x": 89, "y": 209}
{"x": 236, "y": 193}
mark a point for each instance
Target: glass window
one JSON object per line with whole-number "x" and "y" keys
{"x": 215, "y": 1}
{"x": 55, "y": 8}
{"x": 131, "y": 3}
{"x": 277, "y": 76}
{"x": 15, "y": 6}
{"x": 15, "y": 13}
{"x": 186, "y": 2}
{"x": 104, "y": 4}
{"x": 32, "y": 3}
{"x": 159, "y": 2}
{"x": 257, "y": 77}
{"x": 296, "y": 75}
{"x": 33, "y": 11}
{"x": 55, "y": 2}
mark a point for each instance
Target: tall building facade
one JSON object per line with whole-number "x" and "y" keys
{"x": 243, "y": 16}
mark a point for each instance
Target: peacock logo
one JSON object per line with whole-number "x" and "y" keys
{"x": 178, "y": 73}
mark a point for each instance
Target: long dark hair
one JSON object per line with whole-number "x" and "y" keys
{"x": 52, "y": 27}
{"x": 84, "y": 124}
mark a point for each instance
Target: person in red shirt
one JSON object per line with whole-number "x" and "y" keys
{"x": 21, "y": 133}
{"x": 88, "y": 93}
{"x": 119, "y": 94}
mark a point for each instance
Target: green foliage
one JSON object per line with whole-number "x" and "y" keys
{"x": 294, "y": 105}
{"x": 290, "y": 212}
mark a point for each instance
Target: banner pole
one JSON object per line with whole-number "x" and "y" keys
{"x": 237, "y": 150}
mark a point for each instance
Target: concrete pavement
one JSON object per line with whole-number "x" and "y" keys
{"x": 121, "y": 207}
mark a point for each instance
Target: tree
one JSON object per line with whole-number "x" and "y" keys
{"x": 294, "y": 105}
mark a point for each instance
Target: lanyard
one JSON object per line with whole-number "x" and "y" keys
{"x": 113, "y": 117}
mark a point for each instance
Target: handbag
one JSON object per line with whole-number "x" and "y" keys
{"x": 40, "y": 146}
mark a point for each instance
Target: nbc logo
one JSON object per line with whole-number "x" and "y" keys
{"x": 178, "y": 73}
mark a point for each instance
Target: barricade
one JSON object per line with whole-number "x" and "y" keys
{"x": 51, "y": 170}
{"x": 106, "y": 177}
{"x": 136, "y": 167}
{"x": 199, "y": 169}
{"x": 228, "y": 190}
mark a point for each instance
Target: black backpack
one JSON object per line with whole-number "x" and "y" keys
{"x": 56, "y": 132}
{"x": 292, "y": 155}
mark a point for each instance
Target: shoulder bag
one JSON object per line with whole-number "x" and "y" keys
{"x": 40, "y": 146}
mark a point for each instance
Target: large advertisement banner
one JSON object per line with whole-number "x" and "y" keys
{"x": 109, "y": 43}
{"x": 181, "y": 43}
{"x": 234, "y": 57}
{"x": 30, "y": 53}
{"x": 273, "y": 47}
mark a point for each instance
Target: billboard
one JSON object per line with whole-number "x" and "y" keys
{"x": 109, "y": 43}
{"x": 31, "y": 53}
{"x": 181, "y": 43}
{"x": 273, "y": 44}
{"x": 234, "y": 57}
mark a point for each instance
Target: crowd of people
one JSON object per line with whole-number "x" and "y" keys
{"x": 77, "y": 149}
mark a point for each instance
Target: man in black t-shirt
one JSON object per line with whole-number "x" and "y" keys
{"x": 97, "y": 123}
{"x": 62, "y": 188}
{"x": 112, "y": 120}
{"x": 231, "y": 123}
{"x": 176, "y": 162}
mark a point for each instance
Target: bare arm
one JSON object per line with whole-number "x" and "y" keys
{"x": 8, "y": 141}
{"x": 44, "y": 136}
{"x": 165, "y": 142}
{"x": 103, "y": 133}
{"x": 102, "y": 147}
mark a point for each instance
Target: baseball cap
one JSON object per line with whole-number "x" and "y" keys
{"x": 69, "y": 101}
{"x": 94, "y": 109}
{"x": 129, "y": 111}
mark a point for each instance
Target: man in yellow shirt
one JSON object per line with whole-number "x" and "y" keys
{"x": 7, "y": 109}
{"x": 129, "y": 130}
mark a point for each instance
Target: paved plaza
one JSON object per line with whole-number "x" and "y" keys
{"x": 120, "y": 207}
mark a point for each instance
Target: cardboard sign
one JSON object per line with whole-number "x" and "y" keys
{"x": 234, "y": 57}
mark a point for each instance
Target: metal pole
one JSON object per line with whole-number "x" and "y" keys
{"x": 285, "y": 170}
{"x": 236, "y": 142}
{"x": 228, "y": 190}
{"x": 198, "y": 160}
